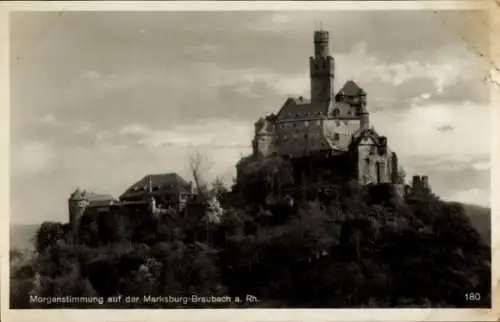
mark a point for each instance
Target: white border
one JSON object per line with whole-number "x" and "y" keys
{"x": 245, "y": 314}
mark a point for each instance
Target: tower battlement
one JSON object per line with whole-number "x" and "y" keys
{"x": 322, "y": 69}
{"x": 321, "y": 43}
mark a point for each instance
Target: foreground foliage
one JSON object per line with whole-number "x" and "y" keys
{"x": 350, "y": 247}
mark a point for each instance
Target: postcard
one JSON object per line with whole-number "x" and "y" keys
{"x": 280, "y": 161}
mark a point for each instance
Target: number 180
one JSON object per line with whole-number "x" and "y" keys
{"x": 472, "y": 297}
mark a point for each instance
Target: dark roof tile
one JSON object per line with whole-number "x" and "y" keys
{"x": 350, "y": 88}
{"x": 164, "y": 183}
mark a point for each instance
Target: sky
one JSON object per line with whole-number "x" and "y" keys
{"x": 100, "y": 99}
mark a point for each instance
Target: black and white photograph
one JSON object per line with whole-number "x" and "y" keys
{"x": 250, "y": 159}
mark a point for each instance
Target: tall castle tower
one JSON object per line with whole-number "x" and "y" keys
{"x": 322, "y": 69}
{"x": 77, "y": 204}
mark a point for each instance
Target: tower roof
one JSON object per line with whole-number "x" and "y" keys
{"x": 77, "y": 195}
{"x": 350, "y": 88}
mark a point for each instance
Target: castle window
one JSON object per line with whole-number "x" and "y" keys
{"x": 336, "y": 136}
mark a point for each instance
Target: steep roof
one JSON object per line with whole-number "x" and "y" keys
{"x": 301, "y": 108}
{"x": 350, "y": 88}
{"x": 359, "y": 135}
{"x": 76, "y": 195}
{"x": 164, "y": 183}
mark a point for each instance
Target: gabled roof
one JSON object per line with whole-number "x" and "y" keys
{"x": 350, "y": 88}
{"x": 302, "y": 108}
{"x": 165, "y": 183}
{"x": 359, "y": 135}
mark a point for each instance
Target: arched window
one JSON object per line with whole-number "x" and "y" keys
{"x": 336, "y": 112}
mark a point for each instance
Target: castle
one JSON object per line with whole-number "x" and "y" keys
{"x": 156, "y": 193}
{"x": 331, "y": 131}
{"x": 329, "y": 126}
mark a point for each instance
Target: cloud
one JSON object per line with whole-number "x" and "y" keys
{"x": 280, "y": 19}
{"x": 92, "y": 74}
{"x": 244, "y": 80}
{"x": 202, "y": 49}
{"x": 441, "y": 73}
{"x": 49, "y": 119}
{"x": 473, "y": 196}
{"x": 412, "y": 131}
{"x": 445, "y": 128}
{"x": 214, "y": 134}
{"x": 83, "y": 129}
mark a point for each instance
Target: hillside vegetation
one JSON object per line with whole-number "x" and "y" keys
{"x": 289, "y": 245}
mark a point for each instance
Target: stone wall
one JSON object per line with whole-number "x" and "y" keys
{"x": 340, "y": 132}
{"x": 300, "y": 137}
{"x": 373, "y": 167}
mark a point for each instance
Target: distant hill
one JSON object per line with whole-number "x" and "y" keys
{"x": 21, "y": 236}
{"x": 481, "y": 219}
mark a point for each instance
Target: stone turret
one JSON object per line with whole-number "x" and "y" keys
{"x": 264, "y": 142}
{"x": 77, "y": 204}
{"x": 322, "y": 69}
{"x": 420, "y": 184}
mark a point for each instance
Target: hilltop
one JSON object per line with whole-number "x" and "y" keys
{"x": 341, "y": 246}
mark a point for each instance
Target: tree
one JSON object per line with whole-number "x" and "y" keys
{"x": 49, "y": 233}
{"x": 199, "y": 165}
{"x": 218, "y": 188}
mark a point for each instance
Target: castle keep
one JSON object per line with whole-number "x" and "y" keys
{"x": 332, "y": 126}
